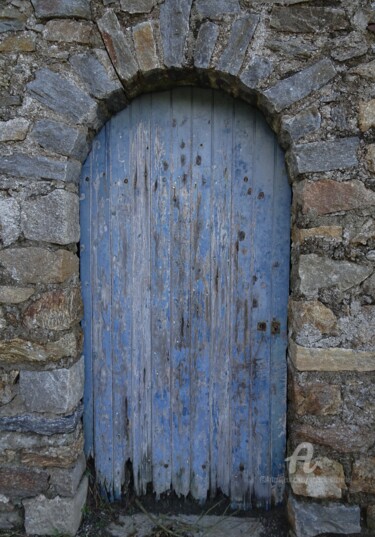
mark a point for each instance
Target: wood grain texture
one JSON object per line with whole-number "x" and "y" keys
{"x": 185, "y": 266}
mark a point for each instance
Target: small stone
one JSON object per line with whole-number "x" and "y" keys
{"x": 322, "y": 232}
{"x": 10, "y": 441}
{"x": 258, "y": 70}
{"x": 205, "y": 44}
{"x": 39, "y": 265}
{"x": 99, "y": 77}
{"x": 55, "y": 310}
{"x": 363, "y": 476}
{"x": 324, "y": 156}
{"x": 6, "y": 99}
{"x": 3, "y": 322}
{"x": 296, "y": 87}
{"x": 241, "y": 34}
{"x": 345, "y": 438}
{"x": 68, "y": 31}
{"x": 316, "y": 399}
{"x": 8, "y": 381}
{"x": 369, "y": 286}
{"x": 13, "y": 130}
{"x": 316, "y": 272}
{"x": 370, "y": 157}
{"x": 52, "y": 218}
{"x": 145, "y": 46}
{"x": 331, "y": 359}
{"x": 60, "y": 138}
{"x": 118, "y": 46}
{"x": 308, "y": 519}
{"x": 32, "y": 423}
{"x": 14, "y": 295}
{"x": 65, "y": 481}
{"x": 366, "y": 70}
{"x": 19, "y": 351}
{"x": 10, "y": 221}
{"x": 371, "y": 517}
{"x": 63, "y": 456}
{"x": 327, "y": 196}
{"x": 138, "y": 6}
{"x": 18, "y": 43}
{"x": 58, "y": 391}
{"x": 326, "y": 481}
{"x": 10, "y": 520}
{"x": 18, "y": 482}
{"x": 49, "y": 9}
{"x": 300, "y": 124}
{"x": 58, "y": 515}
{"x": 23, "y": 165}
{"x": 360, "y": 232}
{"x": 11, "y": 19}
{"x": 295, "y": 46}
{"x": 217, "y": 9}
{"x": 312, "y": 313}
{"x": 366, "y": 115}
{"x": 302, "y": 19}
{"x": 62, "y": 96}
{"x": 348, "y": 47}
{"x": 174, "y": 29}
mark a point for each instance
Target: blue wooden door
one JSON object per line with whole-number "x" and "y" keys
{"x": 185, "y": 208}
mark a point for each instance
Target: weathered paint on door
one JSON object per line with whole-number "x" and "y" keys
{"x": 185, "y": 267}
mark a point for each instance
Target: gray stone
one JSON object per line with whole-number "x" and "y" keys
{"x": 11, "y": 519}
{"x": 10, "y": 441}
{"x": 20, "y": 351}
{"x": 65, "y": 481}
{"x": 145, "y": 47}
{"x": 14, "y": 295}
{"x": 31, "y": 423}
{"x": 11, "y": 19}
{"x": 348, "y": 47}
{"x": 23, "y": 165}
{"x": 296, "y": 87}
{"x": 174, "y": 28}
{"x": 62, "y": 96}
{"x": 8, "y": 386}
{"x": 241, "y": 34}
{"x": 55, "y": 310}
{"x": 52, "y": 218}
{"x": 216, "y": 9}
{"x": 138, "y": 6}
{"x": 44, "y": 516}
{"x": 257, "y": 70}
{"x": 3, "y": 322}
{"x": 60, "y": 138}
{"x": 58, "y": 391}
{"x": 118, "y": 46}
{"x": 296, "y": 47}
{"x": 311, "y": 519}
{"x": 205, "y": 44}
{"x": 316, "y": 272}
{"x": 96, "y": 77}
{"x": 14, "y": 129}
{"x": 300, "y": 124}
{"x": 324, "y": 156}
{"x": 39, "y": 265}
{"x": 10, "y": 221}
{"x": 303, "y": 19}
{"x": 369, "y": 286}
{"x": 49, "y": 9}
{"x": 6, "y": 99}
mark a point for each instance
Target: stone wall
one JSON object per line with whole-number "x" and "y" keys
{"x": 66, "y": 67}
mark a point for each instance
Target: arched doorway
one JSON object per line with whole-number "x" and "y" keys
{"x": 185, "y": 272}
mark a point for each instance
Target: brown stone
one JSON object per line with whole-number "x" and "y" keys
{"x": 316, "y": 399}
{"x": 7, "y": 386}
{"x": 68, "y": 31}
{"x": 342, "y": 438}
{"x": 18, "y": 43}
{"x": 321, "y": 232}
{"x": 39, "y": 265}
{"x": 20, "y": 351}
{"x": 370, "y": 157}
{"x": 366, "y": 115}
{"x": 49, "y": 457}
{"x": 55, "y": 310}
{"x": 145, "y": 47}
{"x": 327, "y": 196}
{"x": 363, "y": 475}
{"x": 371, "y": 514}
{"x": 14, "y": 295}
{"x": 18, "y": 482}
{"x": 326, "y": 481}
{"x": 331, "y": 359}
{"x": 312, "y": 313}
{"x": 366, "y": 70}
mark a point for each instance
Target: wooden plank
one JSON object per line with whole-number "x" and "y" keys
{"x": 121, "y": 233}
{"x": 241, "y": 243}
{"x": 280, "y": 293}
{"x": 101, "y": 291}
{"x": 160, "y": 291}
{"x": 141, "y": 337}
{"x": 180, "y": 267}
{"x": 85, "y": 268}
{"x": 200, "y": 293}
{"x": 222, "y": 141}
